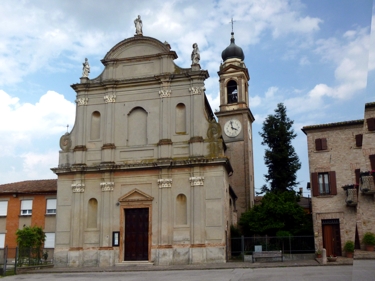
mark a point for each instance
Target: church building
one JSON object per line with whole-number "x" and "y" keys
{"x": 148, "y": 174}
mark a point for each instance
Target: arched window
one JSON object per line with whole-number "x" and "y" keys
{"x": 181, "y": 209}
{"x": 95, "y": 126}
{"x": 92, "y": 213}
{"x": 232, "y": 91}
{"x": 180, "y": 118}
{"x": 137, "y": 127}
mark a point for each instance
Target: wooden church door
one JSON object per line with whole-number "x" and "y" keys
{"x": 331, "y": 237}
{"x": 136, "y": 234}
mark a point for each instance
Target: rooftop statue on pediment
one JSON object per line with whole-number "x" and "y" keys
{"x": 138, "y": 25}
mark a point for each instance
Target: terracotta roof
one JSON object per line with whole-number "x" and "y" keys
{"x": 330, "y": 125}
{"x": 33, "y": 186}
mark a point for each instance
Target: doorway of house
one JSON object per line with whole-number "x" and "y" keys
{"x": 331, "y": 237}
{"x": 136, "y": 234}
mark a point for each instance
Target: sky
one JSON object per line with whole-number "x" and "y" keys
{"x": 313, "y": 56}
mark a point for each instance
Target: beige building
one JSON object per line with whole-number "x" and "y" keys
{"x": 341, "y": 158}
{"x": 143, "y": 175}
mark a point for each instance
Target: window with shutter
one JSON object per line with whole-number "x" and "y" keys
{"x": 324, "y": 186}
{"x": 370, "y": 124}
{"x": 26, "y": 207}
{"x": 50, "y": 240}
{"x": 324, "y": 183}
{"x": 358, "y": 140}
{"x": 3, "y": 208}
{"x": 2, "y": 240}
{"x": 321, "y": 144}
{"x": 51, "y": 206}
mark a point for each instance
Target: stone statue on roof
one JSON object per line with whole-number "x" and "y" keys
{"x": 195, "y": 55}
{"x": 138, "y": 25}
{"x": 86, "y": 68}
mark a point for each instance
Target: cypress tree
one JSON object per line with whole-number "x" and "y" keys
{"x": 280, "y": 156}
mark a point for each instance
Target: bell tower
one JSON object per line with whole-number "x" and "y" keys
{"x": 236, "y": 120}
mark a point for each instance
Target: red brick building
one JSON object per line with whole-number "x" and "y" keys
{"x": 27, "y": 203}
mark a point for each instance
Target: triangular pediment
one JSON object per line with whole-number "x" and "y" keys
{"x": 233, "y": 69}
{"x": 135, "y": 195}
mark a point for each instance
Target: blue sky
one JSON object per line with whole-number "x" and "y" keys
{"x": 311, "y": 55}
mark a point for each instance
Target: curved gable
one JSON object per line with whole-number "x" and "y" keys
{"x": 138, "y": 46}
{"x": 137, "y": 57}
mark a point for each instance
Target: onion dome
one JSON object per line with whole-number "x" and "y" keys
{"x": 232, "y": 51}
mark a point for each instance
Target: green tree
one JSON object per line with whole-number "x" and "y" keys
{"x": 30, "y": 236}
{"x": 30, "y": 240}
{"x": 280, "y": 157}
{"x": 278, "y": 212}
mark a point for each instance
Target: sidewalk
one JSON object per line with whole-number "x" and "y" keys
{"x": 203, "y": 266}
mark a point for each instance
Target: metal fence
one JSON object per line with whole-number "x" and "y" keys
{"x": 287, "y": 244}
{"x": 13, "y": 258}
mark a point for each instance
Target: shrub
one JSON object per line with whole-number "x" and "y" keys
{"x": 349, "y": 247}
{"x": 369, "y": 239}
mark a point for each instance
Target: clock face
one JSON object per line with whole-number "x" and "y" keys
{"x": 232, "y": 128}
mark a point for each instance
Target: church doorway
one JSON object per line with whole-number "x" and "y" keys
{"x": 136, "y": 234}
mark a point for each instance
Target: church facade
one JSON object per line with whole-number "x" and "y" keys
{"x": 144, "y": 175}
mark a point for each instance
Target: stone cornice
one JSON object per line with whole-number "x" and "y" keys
{"x": 196, "y": 139}
{"x": 165, "y": 142}
{"x": 245, "y": 110}
{"x": 102, "y": 85}
{"x": 183, "y": 162}
{"x": 80, "y": 148}
{"x": 108, "y": 146}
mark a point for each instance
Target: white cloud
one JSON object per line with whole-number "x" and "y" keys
{"x": 51, "y": 113}
{"x": 37, "y": 165}
{"x": 371, "y": 61}
{"x": 304, "y": 61}
{"x": 37, "y": 34}
{"x": 255, "y": 101}
{"x": 350, "y": 54}
{"x": 271, "y": 92}
{"x": 27, "y": 123}
{"x": 214, "y": 102}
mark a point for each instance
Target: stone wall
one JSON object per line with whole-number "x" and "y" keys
{"x": 344, "y": 157}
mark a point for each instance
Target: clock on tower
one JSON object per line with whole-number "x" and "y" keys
{"x": 236, "y": 120}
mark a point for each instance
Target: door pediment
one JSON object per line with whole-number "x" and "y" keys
{"x": 135, "y": 195}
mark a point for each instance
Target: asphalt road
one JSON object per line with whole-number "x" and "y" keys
{"x": 363, "y": 270}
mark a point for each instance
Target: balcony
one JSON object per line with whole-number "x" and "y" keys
{"x": 366, "y": 183}
{"x": 351, "y": 195}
